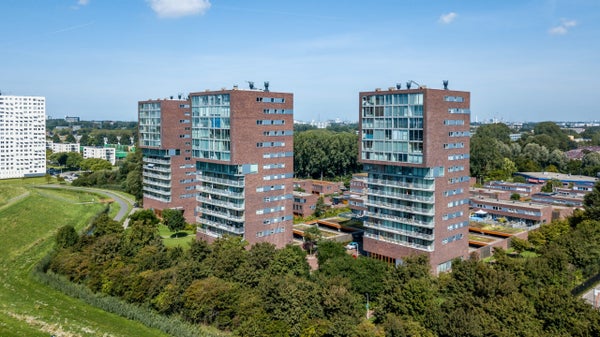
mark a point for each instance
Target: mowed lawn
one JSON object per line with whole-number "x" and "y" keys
{"x": 29, "y": 219}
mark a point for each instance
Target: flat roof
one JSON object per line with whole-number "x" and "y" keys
{"x": 559, "y": 176}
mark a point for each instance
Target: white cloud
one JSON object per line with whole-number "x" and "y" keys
{"x": 83, "y": 2}
{"x": 563, "y": 28}
{"x": 447, "y": 18}
{"x": 178, "y": 8}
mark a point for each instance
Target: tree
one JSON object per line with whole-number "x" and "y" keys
{"x": 551, "y": 185}
{"x": 515, "y": 196}
{"x": 56, "y": 138}
{"x": 95, "y": 164}
{"x": 74, "y": 160}
{"x": 311, "y": 236}
{"x": 112, "y": 139}
{"x": 554, "y": 132}
{"x": 591, "y": 203}
{"x": 60, "y": 158}
{"x": 173, "y": 219}
{"x": 66, "y": 237}
{"x": 145, "y": 216}
{"x": 84, "y": 140}
{"x": 320, "y": 207}
{"x": 70, "y": 138}
{"x": 498, "y": 131}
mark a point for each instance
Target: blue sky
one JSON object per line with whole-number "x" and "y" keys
{"x": 522, "y": 60}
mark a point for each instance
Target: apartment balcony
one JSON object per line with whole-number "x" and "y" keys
{"x": 397, "y": 183}
{"x": 230, "y": 205}
{"x": 207, "y": 232}
{"x": 154, "y": 197}
{"x": 428, "y": 248}
{"x": 399, "y": 231}
{"x": 157, "y": 176}
{"x": 397, "y": 207}
{"x": 165, "y": 161}
{"x": 149, "y": 188}
{"x": 227, "y": 216}
{"x": 237, "y": 195}
{"x": 157, "y": 168}
{"x": 408, "y": 221}
{"x": 221, "y": 181}
{"x": 231, "y": 229}
{"x": 402, "y": 196}
{"x": 157, "y": 183}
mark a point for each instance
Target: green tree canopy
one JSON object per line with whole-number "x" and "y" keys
{"x": 173, "y": 219}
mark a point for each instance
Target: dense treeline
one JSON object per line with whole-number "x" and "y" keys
{"x": 322, "y": 153}
{"x": 495, "y": 157}
{"x": 263, "y": 291}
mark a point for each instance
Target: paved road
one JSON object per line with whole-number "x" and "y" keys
{"x": 126, "y": 204}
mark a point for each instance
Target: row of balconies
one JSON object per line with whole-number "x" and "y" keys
{"x": 428, "y": 248}
{"x": 399, "y": 231}
{"x": 397, "y": 207}
{"x": 227, "y": 193}
{"x": 231, "y": 205}
{"x": 222, "y": 226}
{"x": 398, "y": 183}
{"x": 401, "y": 196}
{"x": 228, "y": 182}
{"x": 427, "y": 224}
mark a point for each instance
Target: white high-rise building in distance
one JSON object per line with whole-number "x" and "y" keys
{"x": 22, "y": 136}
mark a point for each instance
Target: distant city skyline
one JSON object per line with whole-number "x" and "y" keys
{"x": 532, "y": 60}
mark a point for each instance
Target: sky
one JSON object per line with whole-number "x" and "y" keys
{"x": 522, "y": 60}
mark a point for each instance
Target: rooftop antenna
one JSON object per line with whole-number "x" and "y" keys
{"x": 266, "y": 85}
{"x": 398, "y": 86}
{"x": 250, "y": 84}
{"x": 445, "y": 82}
{"x": 409, "y": 83}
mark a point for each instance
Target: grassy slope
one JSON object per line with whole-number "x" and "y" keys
{"x": 27, "y": 308}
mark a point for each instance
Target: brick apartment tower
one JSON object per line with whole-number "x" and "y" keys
{"x": 165, "y": 138}
{"x": 415, "y": 148}
{"x": 242, "y": 143}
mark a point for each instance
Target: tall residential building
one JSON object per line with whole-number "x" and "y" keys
{"x": 22, "y": 136}
{"x": 242, "y": 145}
{"x": 165, "y": 138}
{"x": 415, "y": 148}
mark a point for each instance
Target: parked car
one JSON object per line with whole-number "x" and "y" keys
{"x": 352, "y": 245}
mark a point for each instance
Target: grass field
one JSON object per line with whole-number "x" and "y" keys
{"x": 27, "y": 227}
{"x": 181, "y": 239}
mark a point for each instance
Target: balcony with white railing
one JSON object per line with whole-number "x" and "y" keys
{"x": 427, "y": 224}
{"x": 223, "y": 215}
{"x": 237, "y": 195}
{"x": 398, "y": 183}
{"x": 401, "y": 196}
{"x": 399, "y": 231}
{"x": 221, "y": 181}
{"x": 216, "y": 202}
{"x": 156, "y": 190}
{"x": 157, "y": 183}
{"x": 231, "y": 229}
{"x": 165, "y": 161}
{"x": 428, "y": 248}
{"x": 157, "y": 169}
{"x": 397, "y": 207}
{"x": 157, "y": 176}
